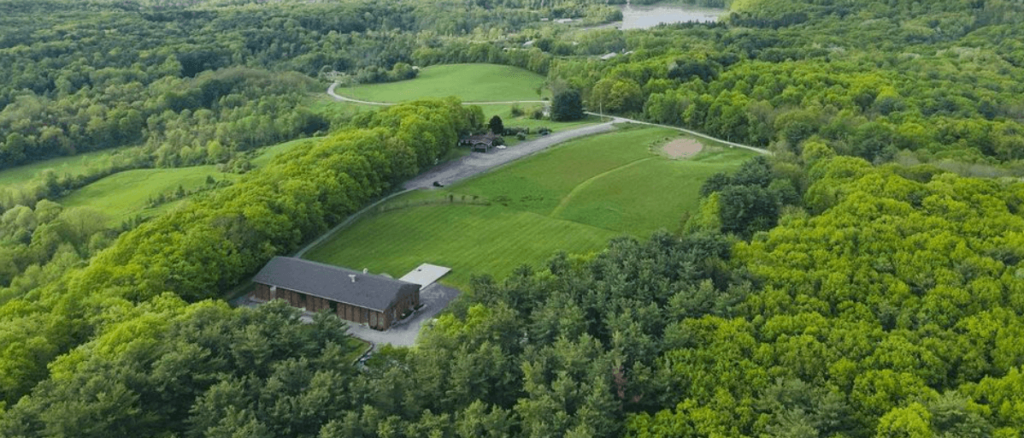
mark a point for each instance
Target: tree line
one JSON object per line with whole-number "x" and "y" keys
{"x": 886, "y": 302}
{"x": 225, "y": 235}
{"x": 825, "y": 291}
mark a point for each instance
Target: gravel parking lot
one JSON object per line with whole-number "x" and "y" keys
{"x": 434, "y": 299}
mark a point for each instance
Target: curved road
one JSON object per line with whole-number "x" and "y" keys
{"x": 615, "y": 119}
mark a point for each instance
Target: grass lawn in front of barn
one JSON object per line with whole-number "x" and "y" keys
{"x": 574, "y": 197}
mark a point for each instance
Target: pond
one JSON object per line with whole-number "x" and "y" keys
{"x": 644, "y": 17}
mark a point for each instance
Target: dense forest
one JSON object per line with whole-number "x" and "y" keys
{"x": 864, "y": 281}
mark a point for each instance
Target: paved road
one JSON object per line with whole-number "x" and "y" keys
{"x": 477, "y": 163}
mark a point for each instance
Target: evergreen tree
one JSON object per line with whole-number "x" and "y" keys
{"x": 567, "y": 106}
{"x": 496, "y": 125}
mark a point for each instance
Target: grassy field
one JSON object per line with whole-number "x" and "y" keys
{"x": 267, "y": 154}
{"x": 74, "y": 165}
{"x": 470, "y": 82}
{"x": 125, "y": 194}
{"x": 574, "y": 197}
{"x": 452, "y": 235}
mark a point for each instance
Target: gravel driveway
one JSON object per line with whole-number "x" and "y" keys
{"x": 434, "y": 299}
{"x": 477, "y": 163}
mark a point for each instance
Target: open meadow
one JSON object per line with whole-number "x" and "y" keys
{"x": 469, "y": 82}
{"x": 74, "y": 165}
{"x": 126, "y": 194}
{"x": 574, "y": 197}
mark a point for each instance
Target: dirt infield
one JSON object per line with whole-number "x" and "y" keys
{"x": 682, "y": 148}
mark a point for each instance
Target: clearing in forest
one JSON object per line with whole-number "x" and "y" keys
{"x": 126, "y": 194}
{"x": 468, "y": 82}
{"x": 574, "y": 197}
{"x": 74, "y": 165}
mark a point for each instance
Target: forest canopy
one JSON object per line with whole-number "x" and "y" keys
{"x": 865, "y": 280}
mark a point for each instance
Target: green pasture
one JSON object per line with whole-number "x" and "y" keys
{"x": 125, "y": 194}
{"x": 470, "y": 239}
{"x": 525, "y": 121}
{"x": 269, "y": 153}
{"x": 574, "y": 197}
{"x": 74, "y": 165}
{"x": 469, "y": 82}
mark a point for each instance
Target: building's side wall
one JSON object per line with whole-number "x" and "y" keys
{"x": 352, "y": 313}
{"x": 296, "y": 299}
{"x": 408, "y": 298}
{"x": 261, "y": 292}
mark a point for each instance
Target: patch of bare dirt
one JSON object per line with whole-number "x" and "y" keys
{"x": 682, "y": 148}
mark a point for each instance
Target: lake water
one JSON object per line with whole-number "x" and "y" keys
{"x": 643, "y": 17}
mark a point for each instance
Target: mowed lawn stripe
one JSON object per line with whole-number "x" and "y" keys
{"x": 539, "y": 183}
{"x": 618, "y": 183}
{"x": 470, "y": 239}
{"x": 641, "y": 199}
{"x": 583, "y": 185}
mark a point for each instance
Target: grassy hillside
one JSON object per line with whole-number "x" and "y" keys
{"x": 574, "y": 198}
{"x": 126, "y": 194}
{"x": 73, "y": 165}
{"x": 267, "y": 154}
{"x": 470, "y": 82}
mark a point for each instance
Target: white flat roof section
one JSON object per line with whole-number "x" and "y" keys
{"x": 425, "y": 274}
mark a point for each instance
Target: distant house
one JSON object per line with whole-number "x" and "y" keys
{"x": 514, "y": 130}
{"x": 355, "y": 296}
{"x": 481, "y": 143}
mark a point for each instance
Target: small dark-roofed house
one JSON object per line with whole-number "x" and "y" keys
{"x": 355, "y": 296}
{"x": 480, "y": 143}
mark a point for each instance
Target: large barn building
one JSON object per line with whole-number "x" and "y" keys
{"x": 355, "y": 296}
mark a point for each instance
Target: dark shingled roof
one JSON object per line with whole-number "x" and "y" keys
{"x": 370, "y": 291}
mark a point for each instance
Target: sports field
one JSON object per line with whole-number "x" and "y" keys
{"x": 574, "y": 197}
{"x": 469, "y": 82}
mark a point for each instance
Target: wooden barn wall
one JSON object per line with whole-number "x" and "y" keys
{"x": 409, "y": 297}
